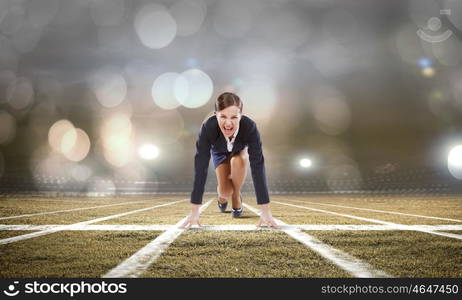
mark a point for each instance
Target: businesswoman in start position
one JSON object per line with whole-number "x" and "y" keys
{"x": 233, "y": 140}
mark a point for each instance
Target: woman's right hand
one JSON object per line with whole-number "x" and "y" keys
{"x": 193, "y": 217}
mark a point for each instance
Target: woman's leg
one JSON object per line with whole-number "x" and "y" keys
{"x": 225, "y": 186}
{"x": 239, "y": 165}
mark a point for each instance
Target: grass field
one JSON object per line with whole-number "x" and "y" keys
{"x": 319, "y": 236}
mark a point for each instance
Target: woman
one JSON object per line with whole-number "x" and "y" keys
{"x": 233, "y": 140}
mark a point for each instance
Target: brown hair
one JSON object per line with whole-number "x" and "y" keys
{"x": 227, "y": 99}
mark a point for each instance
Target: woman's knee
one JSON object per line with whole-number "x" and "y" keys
{"x": 225, "y": 191}
{"x": 240, "y": 159}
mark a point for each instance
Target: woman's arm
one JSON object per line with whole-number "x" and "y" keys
{"x": 257, "y": 165}
{"x": 201, "y": 165}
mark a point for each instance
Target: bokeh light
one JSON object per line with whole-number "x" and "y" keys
{"x": 195, "y": 89}
{"x": 57, "y": 132}
{"x": 428, "y": 72}
{"x": 455, "y": 156}
{"x": 155, "y": 27}
{"x": 331, "y": 111}
{"x": 117, "y": 140}
{"x": 80, "y": 147}
{"x": 305, "y": 163}
{"x": 68, "y": 141}
{"x": 20, "y": 93}
{"x": 148, "y": 152}
{"x": 109, "y": 86}
{"x": 260, "y": 98}
{"x": 189, "y": 16}
{"x": 425, "y": 62}
{"x": 455, "y": 161}
{"x": 163, "y": 89}
{"x": 7, "y": 127}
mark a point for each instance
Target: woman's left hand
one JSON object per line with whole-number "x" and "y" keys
{"x": 266, "y": 217}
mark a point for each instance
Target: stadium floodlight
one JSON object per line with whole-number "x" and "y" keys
{"x": 455, "y": 162}
{"x": 305, "y": 163}
{"x": 455, "y": 156}
{"x": 148, "y": 152}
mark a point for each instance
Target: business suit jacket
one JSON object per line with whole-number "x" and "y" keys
{"x": 211, "y": 141}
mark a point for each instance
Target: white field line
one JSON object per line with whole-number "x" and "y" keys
{"x": 379, "y": 211}
{"x": 227, "y": 227}
{"x": 69, "y": 210}
{"x": 351, "y": 264}
{"x": 70, "y": 226}
{"x": 138, "y": 263}
{"x": 102, "y": 227}
{"x": 397, "y": 226}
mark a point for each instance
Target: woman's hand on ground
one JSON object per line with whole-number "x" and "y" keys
{"x": 192, "y": 218}
{"x": 266, "y": 217}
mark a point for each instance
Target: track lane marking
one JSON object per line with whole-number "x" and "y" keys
{"x": 138, "y": 263}
{"x": 380, "y": 211}
{"x": 70, "y": 226}
{"x": 72, "y": 209}
{"x": 227, "y": 227}
{"x": 345, "y": 261}
{"x": 396, "y": 226}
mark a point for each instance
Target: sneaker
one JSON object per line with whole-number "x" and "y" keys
{"x": 222, "y": 206}
{"x": 237, "y": 213}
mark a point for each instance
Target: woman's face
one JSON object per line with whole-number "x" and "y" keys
{"x": 228, "y": 120}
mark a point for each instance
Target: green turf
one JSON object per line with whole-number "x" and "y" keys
{"x": 71, "y": 253}
{"x": 386, "y": 217}
{"x": 294, "y": 215}
{"x": 240, "y": 254}
{"x": 79, "y": 216}
{"x": 167, "y": 215}
{"x": 13, "y": 207}
{"x": 437, "y": 206}
{"x": 10, "y": 233}
{"x": 400, "y": 253}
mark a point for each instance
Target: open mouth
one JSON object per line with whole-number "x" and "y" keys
{"x": 228, "y": 131}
